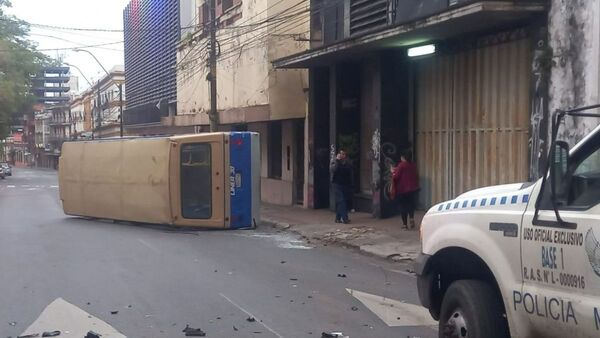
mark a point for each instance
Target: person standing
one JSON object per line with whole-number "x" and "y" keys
{"x": 341, "y": 178}
{"x": 406, "y": 187}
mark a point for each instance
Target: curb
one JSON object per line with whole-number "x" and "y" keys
{"x": 288, "y": 227}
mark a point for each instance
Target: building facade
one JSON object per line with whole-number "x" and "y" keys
{"x": 463, "y": 109}
{"x": 152, "y": 32}
{"x": 52, "y": 88}
{"x": 251, "y": 94}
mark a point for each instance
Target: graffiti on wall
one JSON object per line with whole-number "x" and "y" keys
{"x": 376, "y": 145}
{"x": 388, "y": 153}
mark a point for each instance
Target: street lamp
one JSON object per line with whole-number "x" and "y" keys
{"x": 119, "y": 85}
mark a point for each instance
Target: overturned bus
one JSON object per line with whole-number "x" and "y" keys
{"x": 204, "y": 180}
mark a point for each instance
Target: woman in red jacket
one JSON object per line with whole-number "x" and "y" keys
{"x": 406, "y": 186}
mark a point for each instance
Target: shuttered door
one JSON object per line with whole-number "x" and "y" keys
{"x": 472, "y": 119}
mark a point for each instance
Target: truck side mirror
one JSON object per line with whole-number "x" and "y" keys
{"x": 559, "y": 167}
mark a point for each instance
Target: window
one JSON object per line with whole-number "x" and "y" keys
{"x": 578, "y": 186}
{"x": 196, "y": 181}
{"x": 584, "y": 185}
{"x": 274, "y": 150}
{"x": 227, "y": 4}
{"x": 203, "y": 14}
{"x": 240, "y": 127}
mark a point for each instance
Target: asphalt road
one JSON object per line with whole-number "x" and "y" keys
{"x": 161, "y": 280}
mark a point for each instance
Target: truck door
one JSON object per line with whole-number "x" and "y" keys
{"x": 561, "y": 260}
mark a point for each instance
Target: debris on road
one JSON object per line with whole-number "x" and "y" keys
{"x": 51, "y": 334}
{"x": 283, "y": 262}
{"x": 250, "y": 319}
{"x": 192, "y": 332}
{"x": 293, "y": 279}
{"x": 114, "y": 312}
{"x": 29, "y": 335}
{"x": 341, "y": 275}
{"x": 333, "y": 335}
{"x": 235, "y": 328}
{"x": 92, "y": 334}
{"x": 354, "y": 308}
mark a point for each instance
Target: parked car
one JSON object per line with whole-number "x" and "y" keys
{"x": 2, "y": 172}
{"x": 7, "y": 168}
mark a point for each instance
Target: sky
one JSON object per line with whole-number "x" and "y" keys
{"x": 104, "y": 14}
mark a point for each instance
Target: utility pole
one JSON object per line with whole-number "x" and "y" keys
{"x": 121, "y": 109}
{"x": 214, "y": 114}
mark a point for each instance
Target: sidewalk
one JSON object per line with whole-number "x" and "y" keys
{"x": 383, "y": 238}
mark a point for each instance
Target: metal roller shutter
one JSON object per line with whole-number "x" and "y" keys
{"x": 472, "y": 114}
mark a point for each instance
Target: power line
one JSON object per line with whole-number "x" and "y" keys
{"x": 72, "y": 48}
{"x": 70, "y": 41}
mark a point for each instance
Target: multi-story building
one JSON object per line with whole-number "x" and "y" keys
{"x": 108, "y": 111}
{"x": 449, "y": 81}
{"x": 465, "y": 86}
{"x": 77, "y": 117}
{"x": 152, "y": 32}
{"x": 251, "y": 95}
{"x": 52, "y": 88}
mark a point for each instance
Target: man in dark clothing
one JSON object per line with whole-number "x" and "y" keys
{"x": 341, "y": 178}
{"x": 406, "y": 184}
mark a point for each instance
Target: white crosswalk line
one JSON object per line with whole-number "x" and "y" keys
{"x": 393, "y": 312}
{"x": 63, "y": 316}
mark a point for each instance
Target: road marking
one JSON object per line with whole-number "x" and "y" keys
{"x": 393, "y": 312}
{"x": 148, "y": 245}
{"x": 251, "y": 315}
{"x": 10, "y": 186}
{"x": 63, "y": 316}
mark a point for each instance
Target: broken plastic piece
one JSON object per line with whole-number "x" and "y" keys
{"x": 114, "y": 312}
{"x": 333, "y": 335}
{"x": 191, "y": 332}
{"x": 342, "y": 275}
{"x": 92, "y": 334}
{"x": 51, "y": 334}
{"x": 251, "y": 319}
{"x": 12, "y": 323}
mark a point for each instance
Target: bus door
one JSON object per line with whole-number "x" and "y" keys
{"x": 198, "y": 181}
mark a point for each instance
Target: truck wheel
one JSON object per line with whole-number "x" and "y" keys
{"x": 472, "y": 309}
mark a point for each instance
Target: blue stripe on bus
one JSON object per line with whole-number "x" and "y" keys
{"x": 240, "y": 178}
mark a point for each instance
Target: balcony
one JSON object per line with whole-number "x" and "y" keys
{"x": 63, "y": 89}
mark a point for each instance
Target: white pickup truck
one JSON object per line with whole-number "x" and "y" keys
{"x": 519, "y": 260}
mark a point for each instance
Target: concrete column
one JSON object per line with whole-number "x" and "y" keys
{"x": 574, "y": 39}
{"x": 333, "y": 100}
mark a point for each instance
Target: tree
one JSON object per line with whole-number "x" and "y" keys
{"x": 19, "y": 59}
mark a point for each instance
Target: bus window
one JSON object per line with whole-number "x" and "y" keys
{"x": 196, "y": 183}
